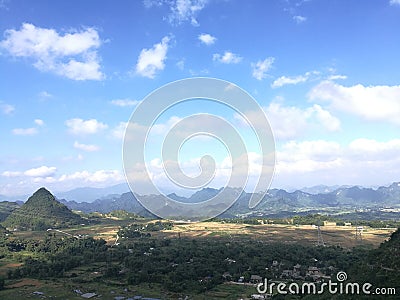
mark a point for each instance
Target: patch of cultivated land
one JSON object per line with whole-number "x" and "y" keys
{"x": 303, "y": 234}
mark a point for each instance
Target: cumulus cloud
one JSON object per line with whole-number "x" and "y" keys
{"x": 81, "y": 127}
{"x": 6, "y": 109}
{"x": 72, "y": 55}
{"x": 119, "y": 131}
{"x": 11, "y": 173}
{"x": 261, "y": 67}
{"x": 124, "y": 102}
{"x": 394, "y": 2}
{"x": 93, "y": 177}
{"x": 289, "y": 122}
{"x": 39, "y": 122}
{"x": 283, "y": 80}
{"x": 227, "y": 58}
{"x": 333, "y": 163}
{"x": 207, "y": 39}
{"x": 44, "y": 95}
{"x": 151, "y": 61}
{"x": 185, "y": 10}
{"x": 374, "y": 103}
{"x": 25, "y": 131}
{"x": 307, "y": 77}
{"x": 42, "y": 171}
{"x": 326, "y": 119}
{"x": 299, "y": 19}
{"x": 86, "y": 147}
{"x": 30, "y": 130}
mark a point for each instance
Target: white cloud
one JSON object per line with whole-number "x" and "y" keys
{"x": 150, "y": 61}
{"x": 306, "y": 77}
{"x": 227, "y": 58}
{"x": 80, "y": 127}
{"x": 262, "y": 67}
{"x": 299, "y": 19}
{"x": 318, "y": 150}
{"x": 328, "y": 162}
{"x": 124, "y": 102}
{"x": 72, "y": 55}
{"x": 119, "y": 131}
{"x": 394, "y": 2}
{"x": 11, "y": 174}
{"x": 39, "y": 122}
{"x": 207, "y": 39}
{"x": 181, "y": 64}
{"x": 328, "y": 121}
{"x": 290, "y": 122}
{"x": 372, "y": 150}
{"x": 93, "y": 177}
{"x": 185, "y": 10}
{"x": 25, "y": 131}
{"x": 375, "y": 103}
{"x": 77, "y": 70}
{"x": 335, "y": 77}
{"x": 283, "y": 80}
{"x": 45, "y": 95}
{"x": 86, "y": 147}
{"x": 163, "y": 128}
{"x": 6, "y": 109}
{"x": 42, "y": 171}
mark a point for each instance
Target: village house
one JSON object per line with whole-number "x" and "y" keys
{"x": 255, "y": 279}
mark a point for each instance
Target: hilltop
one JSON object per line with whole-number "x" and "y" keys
{"x": 41, "y": 211}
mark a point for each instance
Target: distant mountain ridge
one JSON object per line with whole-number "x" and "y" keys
{"x": 90, "y": 194}
{"x": 275, "y": 201}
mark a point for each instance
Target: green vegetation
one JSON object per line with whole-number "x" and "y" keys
{"x": 6, "y": 208}
{"x": 148, "y": 259}
{"x": 381, "y": 266}
{"x": 40, "y": 212}
{"x": 184, "y": 266}
{"x": 136, "y": 230}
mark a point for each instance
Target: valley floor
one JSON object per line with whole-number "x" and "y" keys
{"x": 88, "y": 279}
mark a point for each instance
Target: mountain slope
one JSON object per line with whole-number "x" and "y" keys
{"x": 126, "y": 201}
{"x": 6, "y": 208}
{"x": 381, "y": 266}
{"x": 41, "y": 211}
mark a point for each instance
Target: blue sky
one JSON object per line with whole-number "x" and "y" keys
{"x": 326, "y": 74}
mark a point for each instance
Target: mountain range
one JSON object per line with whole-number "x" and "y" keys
{"x": 275, "y": 201}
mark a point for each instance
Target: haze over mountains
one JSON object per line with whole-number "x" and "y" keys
{"x": 279, "y": 202}
{"x": 275, "y": 201}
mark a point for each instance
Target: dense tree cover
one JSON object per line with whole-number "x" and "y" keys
{"x": 122, "y": 215}
{"x": 6, "y": 208}
{"x": 59, "y": 255}
{"x": 40, "y": 212}
{"x": 136, "y": 230}
{"x": 195, "y": 265}
{"x": 381, "y": 266}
